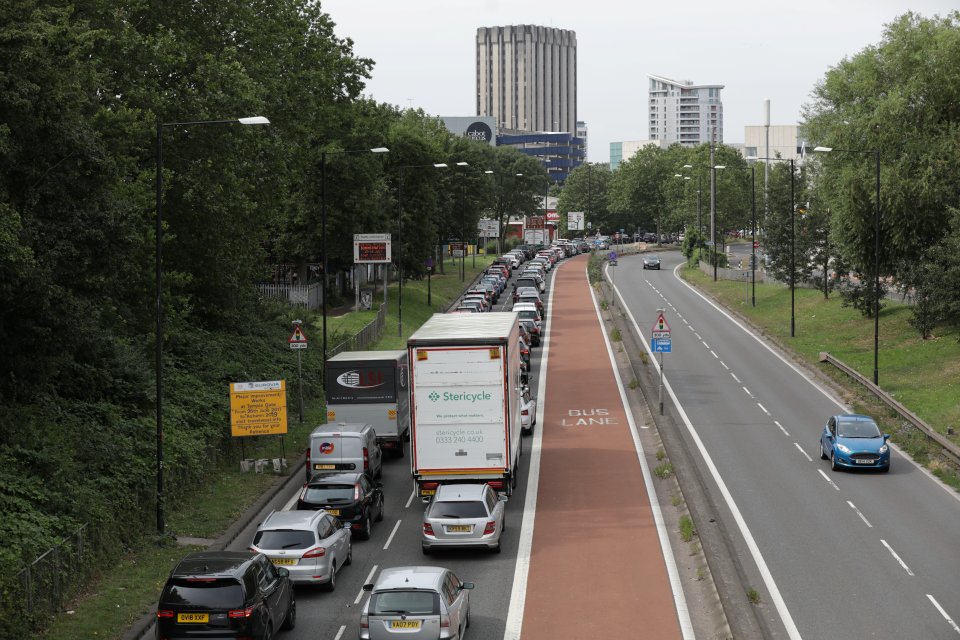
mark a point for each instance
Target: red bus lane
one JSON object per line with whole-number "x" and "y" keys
{"x": 596, "y": 566}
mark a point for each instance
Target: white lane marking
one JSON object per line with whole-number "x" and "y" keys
{"x": 735, "y": 377}
{"x": 862, "y": 517}
{"x": 827, "y": 478}
{"x": 698, "y": 337}
{"x": 685, "y": 321}
{"x": 714, "y": 354}
{"x": 704, "y": 343}
{"x": 291, "y": 501}
{"x": 392, "y": 533}
{"x": 763, "y": 408}
{"x": 679, "y": 599}
{"x": 410, "y": 499}
{"x": 521, "y": 572}
{"x": 792, "y": 632}
{"x": 800, "y": 449}
{"x": 748, "y": 391}
{"x": 373, "y": 570}
{"x": 897, "y": 558}
{"x": 340, "y": 632}
{"x": 944, "y": 613}
{"x": 726, "y": 367}
{"x": 781, "y": 428}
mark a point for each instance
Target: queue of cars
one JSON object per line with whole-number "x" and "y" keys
{"x": 250, "y": 593}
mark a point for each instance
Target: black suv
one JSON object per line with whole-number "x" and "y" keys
{"x": 352, "y": 497}
{"x": 226, "y": 594}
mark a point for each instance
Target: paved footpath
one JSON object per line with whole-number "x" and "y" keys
{"x": 596, "y": 567}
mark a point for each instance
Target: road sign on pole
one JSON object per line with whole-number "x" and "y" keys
{"x": 660, "y": 341}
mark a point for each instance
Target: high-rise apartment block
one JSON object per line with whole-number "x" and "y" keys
{"x": 527, "y": 77}
{"x": 684, "y": 112}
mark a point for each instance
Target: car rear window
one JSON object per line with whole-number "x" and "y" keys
{"x": 418, "y": 603}
{"x": 459, "y": 509}
{"x": 329, "y": 493}
{"x": 284, "y": 539}
{"x": 214, "y": 593}
{"x": 530, "y": 315}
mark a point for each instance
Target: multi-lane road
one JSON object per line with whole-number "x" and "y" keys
{"x": 835, "y": 555}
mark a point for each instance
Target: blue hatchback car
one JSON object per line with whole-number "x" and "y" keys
{"x": 851, "y": 440}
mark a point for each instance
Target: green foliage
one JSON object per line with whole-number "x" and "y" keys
{"x": 663, "y": 470}
{"x": 687, "y": 530}
{"x": 586, "y": 189}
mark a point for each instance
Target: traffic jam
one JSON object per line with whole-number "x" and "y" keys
{"x": 450, "y": 413}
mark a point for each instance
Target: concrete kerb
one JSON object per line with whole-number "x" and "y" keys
{"x": 144, "y": 625}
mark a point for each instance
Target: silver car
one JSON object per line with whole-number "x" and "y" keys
{"x": 464, "y": 515}
{"x": 311, "y": 545}
{"x": 416, "y": 603}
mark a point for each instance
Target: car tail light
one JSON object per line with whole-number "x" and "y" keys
{"x": 496, "y": 484}
{"x": 525, "y": 412}
{"x": 490, "y": 528}
{"x": 240, "y": 613}
{"x": 317, "y": 552}
{"x": 428, "y": 528}
{"x": 366, "y": 459}
{"x": 364, "y": 620}
{"x": 164, "y": 613}
{"x": 429, "y": 485}
{"x": 444, "y": 621}
{"x": 251, "y": 549}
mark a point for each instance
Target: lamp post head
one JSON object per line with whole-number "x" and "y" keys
{"x": 440, "y": 165}
{"x": 678, "y": 175}
{"x": 688, "y": 166}
{"x": 720, "y": 166}
{"x": 488, "y": 171}
{"x": 253, "y": 120}
{"x": 463, "y": 164}
{"x": 823, "y": 149}
{"x": 379, "y": 150}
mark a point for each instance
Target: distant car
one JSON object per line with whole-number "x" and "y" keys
{"x": 226, "y": 594}
{"x": 416, "y": 602}
{"x": 533, "y": 299}
{"x": 854, "y": 441}
{"x": 312, "y": 545}
{"x": 352, "y": 497}
{"x": 651, "y": 261}
{"x": 533, "y": 329}
{"x": 528, "y": 411}
{"x": 464, "y": 515}
{"x": 528, "y": 311}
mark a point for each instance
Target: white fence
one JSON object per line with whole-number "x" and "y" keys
{"x": 302, "y": 295}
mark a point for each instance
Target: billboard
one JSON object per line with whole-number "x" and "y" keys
{"x": 371, "y": 248}
{"x": 575, "y": 221}
{"x": 478, "y": 128}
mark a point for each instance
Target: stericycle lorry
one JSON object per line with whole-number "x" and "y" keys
{"x": 465, "y": 401}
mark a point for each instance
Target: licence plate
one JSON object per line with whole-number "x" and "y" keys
{"x": 320, "y": 467}
{"x": 459, "y": 528}
{"x": 428, "y": 492}
{"x": 404, "y": 624}
{"x": 283, "y": 561}
{"x": 193, "y": 618}
{"x": 865, "y": 461}
{"x": 333, "y": 512}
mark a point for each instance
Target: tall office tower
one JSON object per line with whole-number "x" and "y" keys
{"x": 684, "y": 112}
{"x": 527, "y": 77}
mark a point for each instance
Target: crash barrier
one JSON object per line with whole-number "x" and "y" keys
{"x": 950, "y": 449}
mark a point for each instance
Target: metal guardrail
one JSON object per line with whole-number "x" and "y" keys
{"x": 951, "y": 449}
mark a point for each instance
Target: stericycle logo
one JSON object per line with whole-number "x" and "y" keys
{"x": 460, "y": 397}
{"x": 434, "y": 396}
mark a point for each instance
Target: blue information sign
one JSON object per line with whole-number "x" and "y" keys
{"x": 661, "y": 345}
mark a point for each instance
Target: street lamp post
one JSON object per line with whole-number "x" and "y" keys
{"x": 793, "y": 237}
{"x": 323, "y": 233}
{"x": 437, "y": 165}
{"x": 876, "y": 257}
{"x": 463, "y": 217}
{"x": 699, "y": 190}
{"x": 254, "y": 120}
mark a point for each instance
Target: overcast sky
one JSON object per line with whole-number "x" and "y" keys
{"x": 425, "y": 51}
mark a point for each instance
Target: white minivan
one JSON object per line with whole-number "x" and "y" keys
{"x": 344, "y": 447}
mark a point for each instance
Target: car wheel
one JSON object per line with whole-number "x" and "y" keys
{"x": 885, "y": 469}
{"x": 332, "y": 583}
{"x": 497, "y": 548}
{"x": 833, "y": 462}
{"x": 425, "y": 550}
{"x": 349, "y": 559}
{"x": 367, "y": 528}
{"x": 823, "y": 454}
{"x": 267, "y": 633}
{"x": 291, "y": 620}
{"x": 468, "y": 617}
{"x": 380, "y": 511}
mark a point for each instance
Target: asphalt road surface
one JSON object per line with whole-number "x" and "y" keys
{"x": 835, "y": 554}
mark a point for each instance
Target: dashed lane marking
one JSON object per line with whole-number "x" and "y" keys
{"x": 897, "y": 558}
{"x": 805, "y": 454}
{"x": 862, "y": 517}
{"x": 827, "y": 478}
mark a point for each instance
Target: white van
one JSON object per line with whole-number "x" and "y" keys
{"x": 344, "y": 447}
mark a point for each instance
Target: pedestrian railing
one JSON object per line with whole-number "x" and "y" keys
{"x": 301, "y": 295}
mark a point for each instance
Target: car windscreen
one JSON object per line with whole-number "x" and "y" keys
{"x": 329, "y": 493}
{"x": 858, "y": 429}
{"x": 284, "y": 539}
{"x": 459, "y": 509}
{"x": 214, "y": 593}
{"x": 416, "y": 603}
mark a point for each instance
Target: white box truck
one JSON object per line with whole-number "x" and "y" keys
{"x": 465, "y": 397}
{"x": 371, "y": 387}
